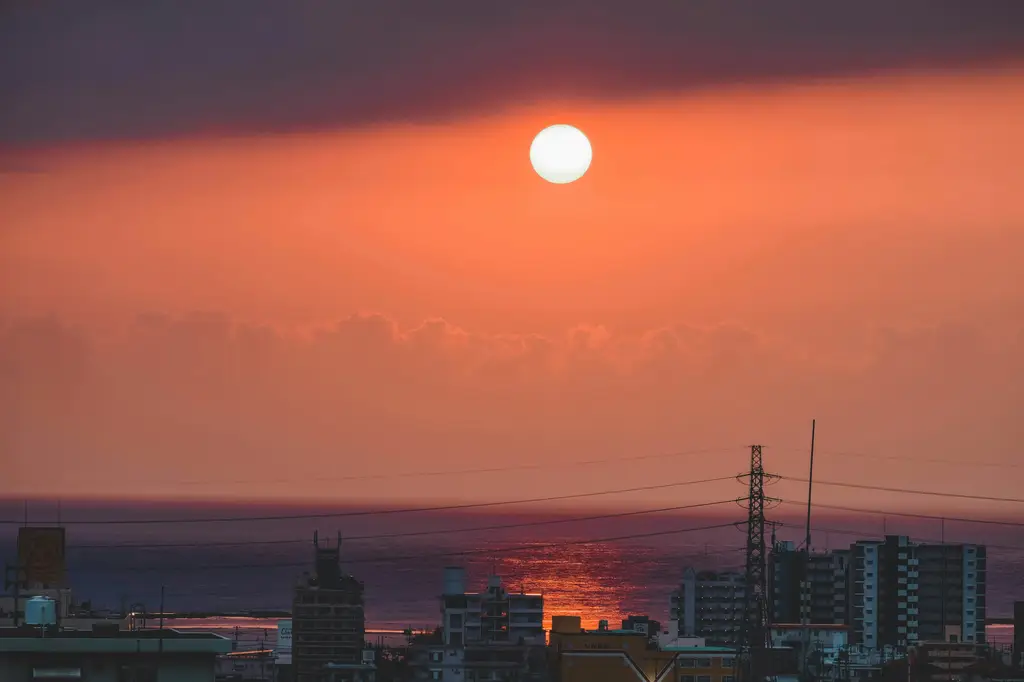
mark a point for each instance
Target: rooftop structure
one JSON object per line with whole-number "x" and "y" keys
{"x": 30, "y": 652}
{"x": 494, "y": 615}
{"x": 328, "y": 623}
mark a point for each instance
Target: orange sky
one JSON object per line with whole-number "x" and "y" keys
{"x": 248, "y": 312}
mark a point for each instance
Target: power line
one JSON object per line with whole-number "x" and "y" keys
{"x": 467, "y": 552}
{"x": 465, "y": 472}
{"x": 909, "y": 491}
{"x": 911, "y": 515}
{"x": 923, "y": 460}
{"x": 415, "y": 533}
{"x": 382, "y": 512}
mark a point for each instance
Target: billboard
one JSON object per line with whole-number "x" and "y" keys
{"x": 41, "y": 555}
{"x": 283, "y": 652}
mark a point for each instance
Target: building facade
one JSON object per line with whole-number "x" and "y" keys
{"x": 579, "y": 655}
{"x": 809, "y": 587}
{"x": 492, "y": 616}
{"x": 108, "y": 654}
{"x": 903, "y": 593}
{"x": 709, "y": 604}
{"x": 492, "y": 662}
{"x": 328, "y": 622}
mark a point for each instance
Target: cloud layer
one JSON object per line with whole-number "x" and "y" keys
{"x": 109, "y": 69}
{"x": 203, "y": 397}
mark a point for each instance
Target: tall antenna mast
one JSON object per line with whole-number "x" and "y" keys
{"x": 805, "y": 583}
{"x": 810, "y": 486}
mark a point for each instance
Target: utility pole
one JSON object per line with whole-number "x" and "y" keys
{"x": 160, "y": 654}
{"x": 755, "y": 634}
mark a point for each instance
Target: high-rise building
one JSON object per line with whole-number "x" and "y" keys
{"x": 903, "y": 593}
{"x": 808, "y": 587}
{"x": 709, "y": 605}
{"x": 494, "y": 615}
{"x": 328, "y": 623}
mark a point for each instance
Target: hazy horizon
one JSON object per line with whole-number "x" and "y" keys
{"x": 266, "y": 252}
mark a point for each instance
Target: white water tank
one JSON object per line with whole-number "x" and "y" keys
{"x": 40, "y": 611}
{"x": 454, "y": 580}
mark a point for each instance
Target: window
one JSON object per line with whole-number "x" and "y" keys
{"x": 703, "y": 663}
{"x": 455, "y": 620}
{"x": 728, "y": 678}
{"x": 869, "y": 611}
{"x": 435, "y": 656}
{"x": 728, "y": 662}
{"x": 435, "y": 674}
{"x": 688, "y": 678}
{"x": 687, "y": 663}
{"x": 703, "y": 678}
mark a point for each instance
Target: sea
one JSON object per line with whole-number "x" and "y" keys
{"x": 222, "y": 562}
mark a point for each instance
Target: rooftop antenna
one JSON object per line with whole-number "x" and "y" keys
{"x": 805, "y": 600}
{"x": 810, "y": 485}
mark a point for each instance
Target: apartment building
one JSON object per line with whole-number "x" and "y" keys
{"x": 808, "y": 587}
{"x": 328, "y": 623}
{"x": 495, "y": 615}
{"x": 903, "y": 593}
{"x": 709, "y": 604}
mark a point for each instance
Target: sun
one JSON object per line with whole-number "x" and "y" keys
{"x": 561, "y": 154}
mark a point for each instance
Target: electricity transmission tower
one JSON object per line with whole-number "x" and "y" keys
{"x": 755, "y": 634}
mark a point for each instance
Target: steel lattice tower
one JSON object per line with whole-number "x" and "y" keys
{"x": 755, "y": 634}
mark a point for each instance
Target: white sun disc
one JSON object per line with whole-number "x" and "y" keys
{"x": 561, "y": 154}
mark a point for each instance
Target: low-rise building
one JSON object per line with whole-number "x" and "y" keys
{"x": 494, "y": 615}
{"x": 604, "y": 655}
{"x": 109, "y": 654}
{"x": 955, "y": 661}
{"x": 490, "y": 662}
